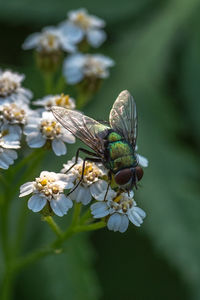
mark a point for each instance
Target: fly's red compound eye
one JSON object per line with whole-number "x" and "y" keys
{"x": 139, "y": 173}
{"x": 123, "y": 176}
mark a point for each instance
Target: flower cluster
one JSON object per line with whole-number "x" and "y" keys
{"x": 88, "y": 187}
{"x": 77, "y": 33}
{"x": 17, "y": 118}
{"x": 48, "y": 189}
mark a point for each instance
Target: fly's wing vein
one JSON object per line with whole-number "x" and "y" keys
{"x": 123, "y": 117}
{"x": 84, "y": 128}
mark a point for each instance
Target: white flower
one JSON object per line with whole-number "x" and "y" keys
{"x": 79, "y": 66}
{"x": 59, "y": 100}
{"x": 48, "y": 188}
{"x": 45, "y": 128}
{"x": 9, "y": 140}
{"x": 50, "y": 40}
{"x": 82, "y": 26}
{"x": 120, "y": 209}
{"x": 92, "y": 184}
{"x": 14, "y": 113}
{"x": 11, "y": 89}
{"x": 142, "y": 161}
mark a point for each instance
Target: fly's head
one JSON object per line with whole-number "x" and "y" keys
{"x": 127, "y": 178}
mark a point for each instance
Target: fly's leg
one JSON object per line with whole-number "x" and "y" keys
{"x": 109, "y": 178}
{"x": 92, "y": 159}
{"x": 77, "y": 156}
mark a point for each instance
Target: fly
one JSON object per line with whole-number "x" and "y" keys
{"x": 113, "y": 145}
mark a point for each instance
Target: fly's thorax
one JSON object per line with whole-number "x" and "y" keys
{"x": 114, "y": 137}
{"x": 121, "y": 154}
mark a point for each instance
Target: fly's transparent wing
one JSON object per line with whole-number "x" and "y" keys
{"x": 84, "y": 128}
{"x": 123, "y": 117}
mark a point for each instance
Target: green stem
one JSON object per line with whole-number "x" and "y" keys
{"x": 48, "y": 77}
{"x": 54, "y": 226}
{"x": 61, "y": 84}
{"x": 90, "y": 227}
{"x": 53, "y": 248}
{"x": 82, "y": 100}
{"x": 6, "y": 288}
{"x": 32, "y": 257}
{"x": 76, "y": 215}
{"x": 86, "y": 216}
{"x": 33, "y": 164}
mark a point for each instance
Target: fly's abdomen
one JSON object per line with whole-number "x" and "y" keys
{"x": 121, "y": 155}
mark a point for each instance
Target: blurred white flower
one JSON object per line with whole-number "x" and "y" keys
{"x": 48, "y": 188}
{"x": 11, "y": 89}
{"x": 142, "y": 161}
{"x": 44, "y": 128}
{"x": 9, "y": 140}
{"x": 80, "y": 25}
{"x": 79, "y": 66}
{"x": 58, "y": 100}
{"x": 120, "y": 209}
{"x": 50, "y": 40}
{"x": 92, "y": 184}
{"x": 14, "y": 113}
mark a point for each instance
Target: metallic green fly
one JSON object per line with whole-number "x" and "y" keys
{"x": 113, "y": 145}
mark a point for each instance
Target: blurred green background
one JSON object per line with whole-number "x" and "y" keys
{"x": 156, "y": 46}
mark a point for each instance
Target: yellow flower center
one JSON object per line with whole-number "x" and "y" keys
{"x": 82, "y": 20}
{"x": 7, "y": 86}
{"x": 121, "y": 202}
{"x": 63, "y": 100}
{"x": 50, "y": 128}
{"x": 47, "y": 186}
{"x": 91, "y": 172}
{"x": 13, "y": 113}
{"x": 51, "y": 40}
{"x": 44, "y": 181}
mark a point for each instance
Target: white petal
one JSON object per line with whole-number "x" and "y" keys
{"x": 98, "y": 189}
{"x": 136, "y": 216}
{"x": 96, "y": 37}
{"x": 26, "y": 189}
{"x": 59, "y": 147}
{"x": 35, "y": 140}
{"x": 73, "y": 75}
{"x": 72, "y": 32}
{"x": 143, "y": 161}
{"x": 61, "y": 205}
{"x": 68, "y": 137}
{"x": 11, "y": 153}
{"x": 73, "y": 68}
{"x": 114, "y": 222}
{"x": 124, "y": 223}
{"x": 82, "y": 195}
{"x": 99, "y": 209}
{"x": 141, "y": 212}
{"x": 3, "y": 165}
{"x": 36, "y": 202}
{"x": 6, "y": 159}
{"x": 31, "y": 41}
{"x": 65, "y": 180}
